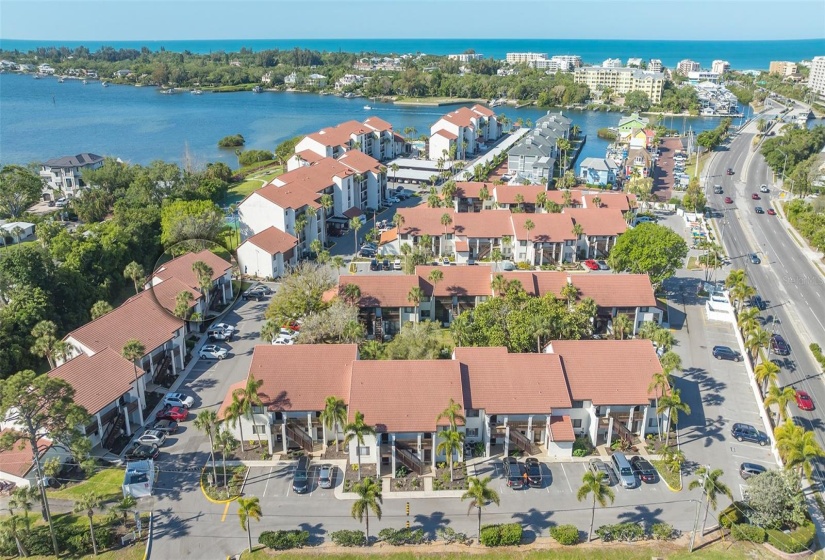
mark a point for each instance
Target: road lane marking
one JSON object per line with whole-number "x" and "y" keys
{"x": 225, "y": 511}
{"x": 565, "y": 477}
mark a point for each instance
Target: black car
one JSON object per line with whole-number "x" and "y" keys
{"x": 779, "y": 346}
{"x": 140, "y": 451}
{"x": 759, "y": 303}
{"x": 533, "y": 472}
{"x": 746, "y": 432}
{"x": 747, "y": 470}
{"x": 643, "y": 469}
{"x": 166, "y": 426}
{"x": 374, "y": 265}
{"x": 725, "y": 353}
{"x": 300, "y": 480}
{"x": 366, "y": 253}
{"x": 759, "y": 210}
{"x": 386, "y": 264}
{"x": 730, "y": 171}
{"x": 513, "y": 472}
{"x": 755, "y": 258}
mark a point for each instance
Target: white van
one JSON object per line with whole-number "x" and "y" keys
{"x": 624, "y": 470}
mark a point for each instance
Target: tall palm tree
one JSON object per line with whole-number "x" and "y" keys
{"x": 135, "y": 273}
{"x": 460, "y": 329}
{"x": 203, "y": 272}
{"x": 569, "y": 293}
{"x": 249, "y": 508}
{"x": 301, "y": 221}
{"x": 369, "y": 498}
{"x": 446, "y": 220}
{"x": 234, "y": 414}
{"x": 741, "y": 293}
{"x": 797, "y": 447}
{"x": 355, "y": 224}
{"x": 338, "y": 263}
{"x": 498, "y": 284}
{"x": 226, "y": 443}
{"x": 595, "y": 484}
{"x": 87, "y": 504}
{"x": 748, "y": 320}
{"x": 452, "y": 414}
{"x": 207, "y": 422}
{"x": 622, "y": 325}
{"x": 671, "y": 361}
{"x": 452, "y": 442}
{"x": 660, "y": 384}
{"x": 62, "y": 351}
{"x": 45, "y": 338}
{"x": 735, "y": 277}
{"x": 351, "y": 293}
{"x": 672, "y": 405}
{"x": 334, "y": 415}
{"x": 760, "y": 338}
{"x": 327, "y": 203}
{"x": 479, "y": 494}
{"x": 766, "y": 372}
{"x": 394, "y": 168}
{"x": 182, "y": 301}
{"x": 398, "y": 221}
{"x": 133, "y": 351}
{"x": 415, "y": 296}
{"x": 357, "y": 430}
{"x": 529, "y": 226}
{"x": 435, "y": 277}
{"x": 712, "y": 487}
{"x": 781, "y": 397}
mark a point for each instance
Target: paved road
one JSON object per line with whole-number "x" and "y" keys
{"x": 786, "y": 279}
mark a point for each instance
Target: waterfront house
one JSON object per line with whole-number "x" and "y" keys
{"x": 63, "y": 176}
{"x": 316, "y": 80}
{"x": 638, "y": 162}
{"x": 462, "y": 131}
{"x": 598, "y": 171}
{"x": 267, "y": 254}
{"x": 374, "y": 137}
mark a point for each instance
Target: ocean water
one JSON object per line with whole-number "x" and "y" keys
{"x": 741, "y": 54}
{"x": 43, "y": 119}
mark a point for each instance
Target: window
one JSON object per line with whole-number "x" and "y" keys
{"x": 577, "y": 423}
{"x": 472, "y": 432}
{"x": 652, "y": 422}
{"x": 472, "y": 413}
{"x": 259, "y": 429}
{"x": 258, "y": 410}
{"x": 409, "y": 310}
{"x": 578, "y": 404}
{"x": 363, "y": 451}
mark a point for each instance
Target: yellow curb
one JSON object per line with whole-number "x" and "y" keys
{"x": 205, "y": 495}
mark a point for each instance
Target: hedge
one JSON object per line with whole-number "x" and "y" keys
{"x": 627, "y": 532}
{"x": 284, "y": 540}
{"x": 747, "y": 532}
{"x": 663, "y": 532}
{"x": 507, "y": 534}
{"x": 398, "y": 537}
{"x": 565, "y": 534}
{"x": 349, "y": 538}
{"x": 797, "y": 540}
{"x": 732, "y": 515}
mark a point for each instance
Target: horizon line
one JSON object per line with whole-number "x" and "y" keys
{"x": 428, "y": 39}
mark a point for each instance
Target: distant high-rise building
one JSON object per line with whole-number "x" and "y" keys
{"x": 573, "y": 61}
{"x": 685, "y": 66}
{"x": 634, "y": 62}
{"x": 720, "y": 66}
{"x": 516, "y": 58}
{"x": 816, "y": 79}
{"x": 612, "y": 63}
{"x": 655, "y": 65}
{"x": 465, "y": 57}
{"x": 782, "y": 67}
{"x": 622, "y": 80}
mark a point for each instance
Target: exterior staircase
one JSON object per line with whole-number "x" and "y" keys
{"x": 523, "y": 443}
{"x": 297, "y": 434}
{"x": 408, "y": 458}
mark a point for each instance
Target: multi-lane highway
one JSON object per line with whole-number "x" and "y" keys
{"x": 786, "y": 279}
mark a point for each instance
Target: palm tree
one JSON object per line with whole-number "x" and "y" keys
{"x": 446, "y": 220}
{"x": 133, "y": 351}
{"x": 460, "y": 329}
{"x": 711, "y": 485}
{"x": 575, "y": 130}
{"x": 781, "y": 397}
{"x": 62, "y": 351}
{"x": 203, "y": 272}
{"x": 748, "y": 320}
{"x": 479, "y": 495}
{"x": 595, "y": 484}
{"x": 797, "y": 447}
{"x": 249, "y": 508}
{"x": 622, "y": 325}
{"x": 452, "y": 414}
{"x": 498, "y": 284}
{"x": 760, "y": 338}
{"x": 334, "y": 415}
{"x": 570, "y": 292}
{"x": 672, "y": 405}
{"x": 338, "y": 263}
{"x": 394, "y": 168}
{"x": 270, "y": 331}
{"x": 301, "y": 222}
{"x": 660, "y": 384}
{"x": 735, "y": 277}
{"x": 528, "y": 227}
{"x": 351, "y": 293}
{"x": 45, "y": 338}
{"x": 415, "y": 296}
{"x": 452, "y": 441}
{"x": 355, "y": 224}
{"x": 369, "y": 498}
{"x": 356, "y": 430}
{"x": 327, "y": 202}
{"x": 566, "y": 198}
{"x": 398, "y": 221}
{"x": 226, "y": 443}
{"x": 741, "y": 293}
{"x": 207, "y": 422}
{"x": 235, "y": 412}
{"x": 99, "y": 309}
{"x": 435, "y": 277}
{"x": 135, "y": 273}
{"x": 766, "y": 372}
{"x": 182, "y": 301}
{"x": 671, "y": 362}
{"x": 87, "y": 504}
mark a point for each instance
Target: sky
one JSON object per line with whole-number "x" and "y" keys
{"x": 133, "y": 20}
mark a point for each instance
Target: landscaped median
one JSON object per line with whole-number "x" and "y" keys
{"x": 673, "y": 480}
{"x": 226, "y": 488}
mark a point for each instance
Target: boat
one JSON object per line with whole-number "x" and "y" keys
{"x": 37, "y": 76}
{"x": 196, "y": 92}
{"x": 105, "y": 84}
{"x": 257, "y": 89}
{"x": 169, "y": 91}
{"x": 85, "y": 82}
{"x": 367, "y": 108}
{"x": 60, "y": 80}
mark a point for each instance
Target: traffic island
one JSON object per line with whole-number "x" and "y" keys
{"x": 227, "y": 487}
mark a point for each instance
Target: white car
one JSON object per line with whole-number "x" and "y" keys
{"x": 284, "y": 340}
{"x": 287, "y": 333}
{"x": 212, "y": 352}
{"x": 764, "y": 189}
{"x": 393, "y": 200}
{"x": 178, "y": 399}
{"x": 152, "y": 437}
{"x": 226, "y": 328}
{"x": 397, "y": 264}
{"x": 61, "y": 202}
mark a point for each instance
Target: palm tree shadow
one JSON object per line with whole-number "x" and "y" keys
{"x": 642, "y": 514}
{"x": 430, "y": 523}
{"x": 534, "y": 522}
{"x": 316, "y": 532}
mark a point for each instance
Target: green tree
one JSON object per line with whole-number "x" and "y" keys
{"x": 249, "y": 508}
{"x": 301, "y": 293}
{"x": 10, "y": 531}
{"x": 797, "y": 447}
{"x": 45, "y": 339}
{"x": 781, "y": 397}
{"x": 452, "y": 414}
{"x": 356, "y": 431}
{"x": 204, "y": 273}
{"x": 765, "y": 373}
{"x": 334, "y": 416}
{"x": 37, "y": 405}
{"x": 87, "y": 503}
{"x": 19, "y": 189}
{"x": 446, "y": 220}
{"x": 757, "y": 339}
{"x": 712, "y": 487}
{"x": 182, "y": 220}
{"x": 649, "y": 249}
{"x": 452, "y": 442}
{"x": 480, "y": 494}
{"x": 748, "y": 320}
{"x": 125, "y": 505}
{"x": 236, "y": 412}
{"x": 622, "y": 326}
{"x": 351, "y": 293}
{"x": 24, "y": 498}
{"x": 460, "y": 329}
{"x": 417, "y": 341}
{"x": 672, "y": 405}
{"x": 435, "y": 277}
{"x": 637, "y": 100}
{"x": 355, "y": 224}
{"x": 182, "y": 304}
{"x": 135, "y": 273}
{"x": 207, "y": 422}
{"x": 775, "y": 500}
{"x": 369, "y": 499}
{"x": 226, "y": 443}
{"x": 594, "y": 484}
{"x": 134, "y": 350}
{"x": 99, "y": 309}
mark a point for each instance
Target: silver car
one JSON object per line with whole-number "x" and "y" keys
{"x": 212, "y": 352}
{"x": 152, "y": 437}
{"x": 326, "y": 476}
{"x": 178, "y": 399}
{"x": 599, "y": 466}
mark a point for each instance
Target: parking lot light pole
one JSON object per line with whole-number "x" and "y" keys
{"x": 695, "y": 524}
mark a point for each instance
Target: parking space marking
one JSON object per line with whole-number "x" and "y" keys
{"x": 565, "y": 477}
{"x": 225, "y": 511}
{"x": 267, "y": 482}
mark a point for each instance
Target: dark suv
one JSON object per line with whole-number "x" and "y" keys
{"x": 759, "y": 303}
{"x": 300, "y": 480}
{"x": 725, "y": 353}
{"x": 533, "y": 472}
{"x": 513, "y": 472}
{"x": 746, "y": 432}
{"x": 779, "y": 346}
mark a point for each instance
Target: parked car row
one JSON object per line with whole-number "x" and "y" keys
{"x": 627, "y": 472}
{"x": 301, "y": 477}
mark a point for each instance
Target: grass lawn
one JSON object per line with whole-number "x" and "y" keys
{"x": 690, "y": 164}
{"x": 134, "y": 552}
{"x": 673, "y": 479}
{"x": 107, "y": 483}
{"x": 254, "y": 181}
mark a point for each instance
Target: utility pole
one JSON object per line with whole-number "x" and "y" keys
{"x": 695, "y": 525}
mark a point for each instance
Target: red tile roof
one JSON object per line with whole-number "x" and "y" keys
{"x": 166, "y": 293}
{"x": 504, "y": 383}
{"x": 548, "y": 228}
{"x": 303, "y": 186}
{"x": 404, "y": 395}
{"x": 458, "y": 280}
{"x": 421, "y": 220}
{"x": 561, "y": 429}
{"x": 616, "y": 201}
{"x": 506, "y": 194}
{"x": 616, "y": 290}
{"x": 353, "y": 212}
{"x": 382, "y": 290}
{"x": 17, "y": 461}
{"x": 302, "y": 376}
{"x": 273, "y": 241}
{"x": 471, "y": 189}
{"x": 462, "y": 246}
{"x": 388, "y": 236}
{"x": 338, "y": 135}
{"x": 309, "y": 156}
{"x": 446, "y": 134}
{"x": 360, "y": 162}
{"x": 140, "y": 317}
{"x": 558, "y": 197}
{"x": 487, "y": 223}
{"x": 227, "y": 400}
{"x": 483, "y": 110}
{"x": 462, "y": 117}
{"x": 598, "y": 221}
{"x": 378, "y": 124}
{"x": 181, "y": 267}
{"x": 85, "y": 374}
{"x": 609, "y": 372}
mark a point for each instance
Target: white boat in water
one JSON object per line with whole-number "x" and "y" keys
{"x": 60, "y": 80}
{"x": 367, "y": 108}
{"x": 85, "y": 82}
{"x": 104, "y": 84}
{"x": 196, "y": 92}
{"x": 167, "y": 91}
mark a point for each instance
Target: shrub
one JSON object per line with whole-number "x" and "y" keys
{"x": 733, "y": 514}
{"x": 349, "y": 538}
{"x": 232, "y": 141}
{"x": 622, "y": 532}
{"x": 662, "y": 532}
{"x": 398, "y": 537}
{"x": 747, "y": 532}
{"x": 565, "y": 534}
{"x": 582, "y": 446}
{"x": 449, "y": 535}
{"x": 284, "y": 540}
{"x": 507, "y": 534}
{"x": 797, "y": 540}
{"x": 253, "y": 156}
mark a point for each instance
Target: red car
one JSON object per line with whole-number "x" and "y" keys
{"x": 591, "y": 264}
{"x": 728, "y": 200}
{"x": 755, "y": 196}
{"x": 174, "y": 413}
{"x": 804, "y": 401}
{"x": 771, "y": 212}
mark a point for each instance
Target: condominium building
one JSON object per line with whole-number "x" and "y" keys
{"x": 622, "y": 80}
{"x": 516, "y": 58}
{"x": 572, "y": 60}
{"x": 782, "y": 67}
{"x": 816, "y": 79}
{"x": 465, "y": 57}
{"x": 720, "y": 66}
{"x": 685, "y": 66}
{"x": 551, "y": 66}
{"x": 634, "y": 62}
{"x": 613, "y": 63}
{"x": 655, "y": 65}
